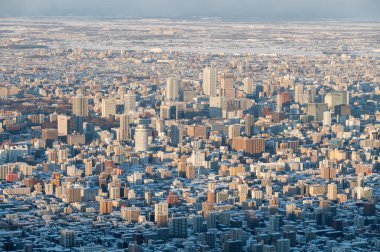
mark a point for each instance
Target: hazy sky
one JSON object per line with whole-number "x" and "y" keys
{"x": 240, "y": 9}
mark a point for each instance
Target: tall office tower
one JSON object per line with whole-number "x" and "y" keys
{"x": 73, "y": 194}
{"x": 124, "y": 128}
{"x": 178, "y": 227}
{"x": 80, "y": 106}
{"x": 234, "y": 130}
{"x": 172, "y": 90}
{"x": 211, "y": 196}
{"x": 105, "y": 206}
{"x": 283, "y": 245}
{"x": 211, "y": 220}
{"x": 227, "y": 85}
{"x": 88, "y": 166}
{"x": 216, "y": 107}
{"x": 148, "y": 198}
{"x": 210, "y": 239}
{"x": 161, "y": 214}
{"x": 316, "y": 110}
{"x": 129, "y": 102}
{"x": 141, "y": 138}
{"x": 190, "y": 171}
{"x": 310, "y": 95}
{"x": 278, "y": 103}
{"x": 67, "y": 238}
{"x": 176, "y": 135}
{"x": 197, "y": 222}
{"x": 298, "y": 93}
{"x": 327, "y": 172}
{"x": 243, "y": 192}
{"x": 274, "y": 223}
{"x": 332, "y": 190}
{"x": 63, "y": 125}
{"x": 108, "y": 107}
{"x": 249, "y": 125}
{"x": 248, "y": 86}
{"x": 327, "y": 118}
{"x": 336, "y": 98}
{"x": 209, "y": 81}
{"x": 114, "y": 192}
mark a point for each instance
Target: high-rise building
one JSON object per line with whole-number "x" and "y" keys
{"x": 227, "y": 89}
{"x": 249, "y": 145}
{"x": 327, "y": 118}
{"x": 130, "y": 214}
{"x": 49, "y": 134}
{"x": 210, "y": 239}
{"x": 63, "y": 125}
{"x": 211, "y": 220}
{"x": 80, "y": 106}
{"x": 176, "y": 135}
{"x": 190, "y": 171}
{"x": 197, "y": 222}
{"x": 234, "y": 130}
{"x": 161, "y": 214}
{"x": 141, "y": 138}
{"x": 172, "y": 89}
{"x": 332, "y": 191}
{"x": 316, "y": 110}
{"x": 209, "y": 81}
{"x": 178, "y": 227}
{"x": 278, "y": 103}
{"x": 67, "y": 238}
{"x": 124, "y": 128}
{"x": 73, "y": 194}
{"x": 249, "y": 125}
{"x": 108, "y": 107}
{"x": 248, "y": 86}
{"x": 129, "y": 102}
{"x": 336, "y": 98}
{"x": 105, "y": 206}
{"x": 298, "y": 94}
{"x": 283, "y": 245}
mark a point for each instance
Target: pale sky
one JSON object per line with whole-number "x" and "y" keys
{"x": 235, "y": 9}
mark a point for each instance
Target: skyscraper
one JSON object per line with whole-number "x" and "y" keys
{"x": 249, "y": 125}
{"x": 178, "y": 227}
{"x": 332, "y": 191}
{"x": 316, "y": 110}
{"x": 161, "y": 213}
{"x": 176, "y": 135}
{"x": 129, "y": 102}
{"x": 124, "y": 128}
{"x": 108, "y": 107}
{"x": 298, "y": 93}
{"x": 278, "y": 103}
{"x": 63, "y": 125}
{"x": 172, "y": 90}
{"x": 67, "y": 238}
{"x": 336, "y": 98}
{"x": 80, "y": 106}
{"x": 283, "y": 245}
{"x": 248, "y": 86}
{"x": 141, "y": 138}
{"x": 227, "y": 85}
{"x": 209, "y": 81}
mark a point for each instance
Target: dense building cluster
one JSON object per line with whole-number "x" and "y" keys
{"x": 164, "y": 136}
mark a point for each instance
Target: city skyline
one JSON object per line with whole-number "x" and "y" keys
{"x": 195, "y": 126}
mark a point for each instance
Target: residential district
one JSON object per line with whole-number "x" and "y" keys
{"x": 159, "y": 135}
